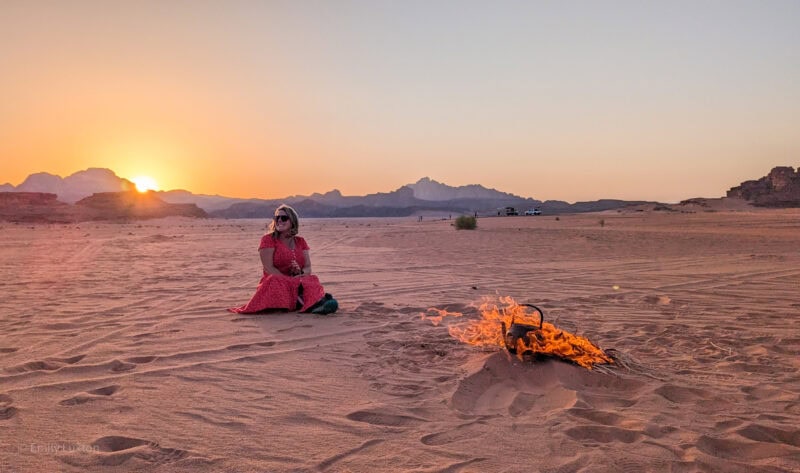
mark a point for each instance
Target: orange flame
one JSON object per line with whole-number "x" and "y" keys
{"x": 437, "y": 319}
{"x": 547, "y": 341}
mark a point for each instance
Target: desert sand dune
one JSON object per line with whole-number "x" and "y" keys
{"x": 117, "y": 353}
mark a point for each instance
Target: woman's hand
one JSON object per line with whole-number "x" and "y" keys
{"x": 296, "y": 270}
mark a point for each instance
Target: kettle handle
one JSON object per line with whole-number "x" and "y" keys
{"x": 503, "y": 335}
{"x": 541, "y": 314}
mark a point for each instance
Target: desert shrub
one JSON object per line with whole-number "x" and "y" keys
{"x": 602, "y": 222}
{"x": 466, "y": 222}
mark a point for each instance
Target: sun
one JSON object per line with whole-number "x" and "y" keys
{"x": 145, "y": 183}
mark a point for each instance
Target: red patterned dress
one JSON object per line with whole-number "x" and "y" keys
{"x": 280, "y": 291}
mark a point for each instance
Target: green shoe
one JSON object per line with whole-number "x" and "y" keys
{"x": 326, "y": 305}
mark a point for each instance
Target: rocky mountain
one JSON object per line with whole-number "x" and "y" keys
{"x": 334, "y": 198}
{"x": 74, "y": 187}
{"x": 428, "y": 189}
{"x": 42, "y": 182}
{"x": 779, "y": 188}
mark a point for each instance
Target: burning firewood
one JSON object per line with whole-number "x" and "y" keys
{"x": 522, "y": 333}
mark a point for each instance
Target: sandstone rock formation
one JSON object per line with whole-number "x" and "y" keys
{"x": 34, "y": 207}
{"x": 132, "y": 205}
{"x": 779, "y": 188}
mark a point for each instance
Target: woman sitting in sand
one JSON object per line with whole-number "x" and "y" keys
{"x": 287, "y": 282}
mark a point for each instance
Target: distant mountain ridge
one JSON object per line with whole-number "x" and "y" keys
{"x": 74, "y": 187}
{"x": 428, "y": 189}
{"x": 424, "y": 196}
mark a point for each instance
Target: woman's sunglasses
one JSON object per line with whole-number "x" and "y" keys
{"x": 281, "y": 218}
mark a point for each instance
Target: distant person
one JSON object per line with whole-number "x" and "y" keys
{"x": 287, "y": 282}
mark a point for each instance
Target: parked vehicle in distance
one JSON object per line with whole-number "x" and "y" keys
{"x": 533, "y": 212}
{"x": 511, "y": 211}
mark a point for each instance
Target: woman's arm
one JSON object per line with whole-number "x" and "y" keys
{"x": 266, "y": 260}
{"x": 307, "y": 268}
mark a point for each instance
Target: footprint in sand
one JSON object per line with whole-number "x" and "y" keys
{"x": 7, "y": 411}
{"x": 681, "y": 394}
{"x": 763, "y": 433}
{"x": 93, "y": 395}
{"x": 118, "y": 366}
{"x": 71, "y": 360}
{"x": 743, "y": 451}
{"x": 105, "y": 391}
{"x": 244, "y": 346}
{"x": 141, "y": 359}
{"x": 461, "y": 432}
{"x": 328, "y": 462}
{"x": 116, "y": 450}
{"x": 49, "y": 364}
{"x": 385, "y": 418}
{"x": 613, "y": 419}
{"x": 35, "y": 366}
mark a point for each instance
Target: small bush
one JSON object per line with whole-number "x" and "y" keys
{"x": 466, "y": 222}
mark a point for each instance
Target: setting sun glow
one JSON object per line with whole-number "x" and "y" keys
{"x": 145, "y": 183}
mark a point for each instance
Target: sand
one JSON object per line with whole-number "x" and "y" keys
{"x": 117, "y": 354}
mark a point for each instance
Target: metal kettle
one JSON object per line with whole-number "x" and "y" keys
{"x": 516, "y": 331}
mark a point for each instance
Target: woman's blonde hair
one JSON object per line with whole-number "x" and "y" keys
{"x": 292, "y": 213}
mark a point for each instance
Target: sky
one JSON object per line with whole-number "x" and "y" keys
{"x": 566, "y": 100}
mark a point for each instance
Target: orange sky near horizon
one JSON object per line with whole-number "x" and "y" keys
{"x": 550, "y": 100}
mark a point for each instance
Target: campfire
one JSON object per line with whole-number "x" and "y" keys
{"x": 522, "y": 330}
